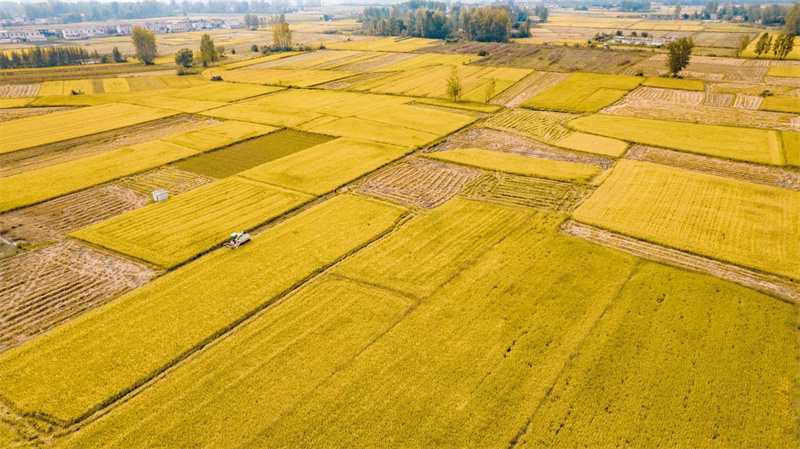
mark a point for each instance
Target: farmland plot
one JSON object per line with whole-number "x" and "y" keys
{"x": 326, "y": 167}
{"x": 80, "y": 147}
{"x": 281, "y": 357}
{"x": 675, "y": 348}
{"x": 791, "y": 147}
{"x": 56, "y": 218}
{"x": 391, "y": 44}
{"x": 473, "y": 381}
{"x": 172, "y": 180}
{"x": 273, "y": 116}
{"x": 313, "y": 60}
{"x": 33, "y": 131}
{"x": 43, "y": 184}
{"x": 19, "y": 90}
{"x": 220, "y": 135}
{"x": 427, "y": 252}
{"x": 419, "y": 183}
{"x": 43, "y": 287}
{"x": 528, "y": 87}
{"x": 359, "y": 128}
{"x": 376, "y": 63}
{"x": 746, "y": 224}
{"x": 222, "y": 92}
{"x": 520, "y": 165}
{"x": 16, "y": 113}
{"x": 753, "y": 145}
{"x": 90, "y": 361}
{"x": 781, "y": 104}
{"x": 174, "y": 104}
{"x": 542, "y": 194}
{"x": 298, "y": 78}
{"x": 172, "y": 232}
{"x": 584, "y": 92}
{"x": 337, "y": 104}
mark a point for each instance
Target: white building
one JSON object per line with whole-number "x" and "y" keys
{"x": 14, "y": 36}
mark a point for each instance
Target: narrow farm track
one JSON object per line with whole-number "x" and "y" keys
{"x": 542, "y": 194}
{"x": 46, "y": 286}
{"x": 771, "y": 176}
{"x": 58, "y": 217}
{"x": 773, "y": 285}
{"x": 419, "y": 183}
{"x": 55, "y": 153}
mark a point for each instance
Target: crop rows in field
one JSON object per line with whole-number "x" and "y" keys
{"x": 721, "y": 40}
{"x": 751, "y": 102}
{"x": 388, "y": 44}
{"x": 19, "y": 90}
{"x": 491, "y": 139}
{"x": 280, "y": 77}
{"x": 537, "y": 124}
{"x": 710, "y": 115}
{"x": 707, "y": 68}
{"x": 771, "y": 176}
{"x": 19, "y": 113}
{"x": 378, "y": 62}
{"x": 701, "y": 213}
{"x": 56, "y": 218}
{"x": 171, "y": 179}
{"x": 584, "y": 92}
{"x": 543, "y": 194}
{"x": 419, "y": 182}
{"x": 528, "y": 87}
{"x": 312, "y": 60}
{"x": 352, "y": 81}
{"x": 640, "y": 248}
{"x": 159, "y": 324}
{"x": 781, "y": 81}
{"x": 45, "y": 286}
{"x": 80, "y": 147}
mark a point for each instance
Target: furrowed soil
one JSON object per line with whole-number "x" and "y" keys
{"x": 55, "y": 218}
{"x": 734, "y": 273}
{"x": 19, "y": 90}
{"x": 171, "y": 179}
{"x": 542, "y": 194}
{"x": 420, "y": 183}
{"x": 44, "y": 287}
{"x": 55, "y": 153}
{"x": 489, "y": 139}
{"x": 528, "y": 87}
{"x": 771, "y": 176}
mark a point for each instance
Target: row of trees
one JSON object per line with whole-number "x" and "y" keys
{"x": 209, "y": 54}
{"x": 96, "y": 10}
{"x": 431, "y": 19}
{"x": 781, "y": 46}
{"x": 46, "y": 57}
{"x": 775, "y": 14}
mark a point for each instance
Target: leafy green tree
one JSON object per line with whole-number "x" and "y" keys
{"x": 489, "y": 24}
{"x": 763, "y": 45}
{"x": 116, "y": 55}
{"x": 491, "y": 86}
{"x": 744, "y": 41}
{"x": 454, "y": 87}
{"x": 144, "y": 41}
{"x": 777, "y": 44}
{"x": 208, "y": 52}
{"x": 792, "y": 20}
{"x": 786, "y": 47}
{"x": 184, "y": 57}
{"x": 679, "y": 52}
{"x": 281, "y": 35}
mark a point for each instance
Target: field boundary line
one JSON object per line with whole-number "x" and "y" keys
{"x": 575, "y": 352}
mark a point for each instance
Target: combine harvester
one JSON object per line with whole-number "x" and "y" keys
{"x": 237, "y": 239}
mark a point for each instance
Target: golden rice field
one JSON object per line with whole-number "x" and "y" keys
{"x": 570, "y": 259}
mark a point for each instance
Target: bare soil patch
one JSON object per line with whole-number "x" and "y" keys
{"x": 44, "y": 287}
{"x": 56, "y": 218}
{"x": 771, "y": 176}
{"x": 543, "y": 194}
{"x": 56, "y": 153}
{"x": 734, "y": 273}
{"x": 419, "y": 183}
{"x": 490, "y": 139}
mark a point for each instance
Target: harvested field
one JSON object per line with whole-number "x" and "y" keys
{"x": 170, "y": 179}
{"x": 675, "y": 96}
{"x": 250, "y": 153}
{"x": 537, "y": 124}
{"x": 703, "y": 67}
{"x": 311, "y": 60}
{"x": 390, "y": 44}
{"x": 751, "y": 102}
{"x": 18, "y": 113}
{"x": 719, "y": 100}
{"x": 419, "y": 183}
{"x": 542, "y": 194}
{"x": 584, "y": 92}
{"x": 299, "y": 78}
{"x": 749, "y": 278}
{"x": 379, "y": 62}
{"x": 19, "y": 90}
{"x": 709, "y": 115}
{"x": 43, "y": 287}
{"x": 528, "y": 87}
{"x": 509, "y": 143}
{"x": 80, "y": 147}
{"x": 56, "y": 218}
{"x": 771, "y": 176}
{"x": 353, "y": 81}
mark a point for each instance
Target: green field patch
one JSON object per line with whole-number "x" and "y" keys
{"x": 584, "y": 92}
{"x": 429, "y": 251}
{"x": 267, "y": 115}
{"x": 359, "y": 128}
{"x": 220, "y": 135}
{"x": 95, "y": 358}
{"x": 691, "y": 345}
{"x": 675, "y": 83}
{"x": 326, "y": 167}
{"x": 520, "y": 165}
{"x": 780, "y": 103}
{"x": 171, "y": 232}
{"x": 268, "y": 365}
{"x": 56, "y": 180}
{"x": 222, "y": 92}
{"x": 747, "y": 144}
{"x": 33, "y": 131}
{"x": 747, "y": 224}
{"x": 251, "y": 153}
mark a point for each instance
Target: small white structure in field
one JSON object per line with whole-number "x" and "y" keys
{"x": 160, "y": 195}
